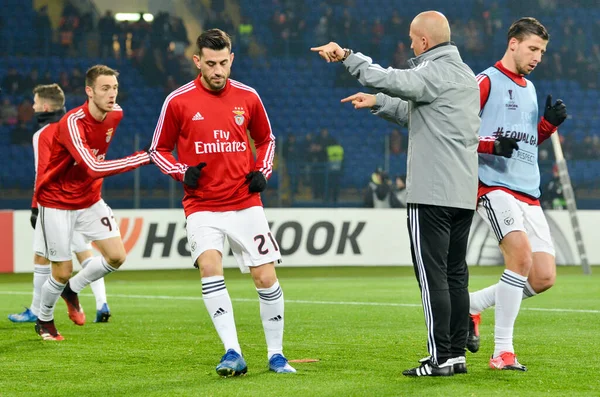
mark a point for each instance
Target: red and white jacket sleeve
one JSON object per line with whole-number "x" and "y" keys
{"x": 71, "y": 137}
{"x": 486, "y": 143}
{"x": 165, "y": 137}
{"x": 42, "y": 142}
{"x": 545, "y": 130}
{"x": 264, "y": 140}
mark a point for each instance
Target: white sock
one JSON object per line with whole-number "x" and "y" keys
{"x": 509, "y": 295}
{"x": 40, "y": 275}
{"x": 98, "y": 287}
{"x": 95, "y": 268}
{"x": 99, "y": 290}
{"x": 482, "y": 299}
{"x": 528, "y": 291}
{"x": 271, "y": 314}
{"x": 485, "y": 298}
{"x": 218, "y": 303}
{"x": 51, "y": 291}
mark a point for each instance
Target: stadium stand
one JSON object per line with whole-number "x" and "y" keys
{"x": 302, "y": 94}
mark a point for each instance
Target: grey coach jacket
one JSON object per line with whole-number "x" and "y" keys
{"x": 438, "y": 98}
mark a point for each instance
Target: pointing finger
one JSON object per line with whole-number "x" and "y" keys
{"x": 350, "y": 98}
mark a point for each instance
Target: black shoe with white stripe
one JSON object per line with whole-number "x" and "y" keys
{"x": 459, "y": 363}
{"x": 427, "y": 368}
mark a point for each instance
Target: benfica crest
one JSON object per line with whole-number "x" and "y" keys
{"x": 239, "y": 115}
{"x": 109, "y": 135}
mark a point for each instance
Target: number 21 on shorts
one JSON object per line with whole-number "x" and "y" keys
{"x": 261, "y": 241}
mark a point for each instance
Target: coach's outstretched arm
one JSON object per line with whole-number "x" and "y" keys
{"x": 77, "y": 146}
{"x": 420, "y": 84}
{"x": 394, "y": 110}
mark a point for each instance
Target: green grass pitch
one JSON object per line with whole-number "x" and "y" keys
{"x": 365, "y": 325}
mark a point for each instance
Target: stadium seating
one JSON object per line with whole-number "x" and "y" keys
{"x": 361, "y": 134}
{"x": 299, "y": 92}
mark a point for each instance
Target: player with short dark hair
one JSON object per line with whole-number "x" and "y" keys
{"x": 207, "y": 121}
{"x": 69, "y": 198}
{"x": 509, "y": 186}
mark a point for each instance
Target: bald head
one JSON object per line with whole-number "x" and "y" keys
{"x": 427, "y": 30}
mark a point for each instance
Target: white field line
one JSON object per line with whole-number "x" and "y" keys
{"x": 306, "y": 302}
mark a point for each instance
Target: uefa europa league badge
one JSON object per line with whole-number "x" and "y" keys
{"x": 239, "y": 115}
{"x": 109, "y": 134}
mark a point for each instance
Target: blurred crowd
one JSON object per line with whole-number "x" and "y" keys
{"x": 157, "y": 47}
{"x": 293, "y": 34}
{"x": 157, "y": 50}
{"x": 16, "y": 109}
{"x": 314, "y": 162}
{"x": 386, "y": 41}
{"x": 574, "y": 57}
{"x": 383, "y": 192}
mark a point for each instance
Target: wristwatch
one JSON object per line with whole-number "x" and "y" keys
{"x": 347, "y": 52}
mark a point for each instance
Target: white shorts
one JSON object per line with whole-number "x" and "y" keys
{"x": 79, "y": 243}
{"x": 246, "y": 230}
{"x": 55, "y": 232}
{"x": 504, "y": 213}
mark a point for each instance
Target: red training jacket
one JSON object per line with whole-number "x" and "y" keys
{"x": 76, "y": 168}
{"x": 211, "y": 127}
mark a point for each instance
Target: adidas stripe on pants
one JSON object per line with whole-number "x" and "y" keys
{"x": 438, "y": 242}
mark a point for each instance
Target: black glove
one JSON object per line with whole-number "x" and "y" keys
{"x": 33, "y": 217}
{"x": 555, "y": 114}
{"x": 147, "y": 150}
{"x": 257, "y": 181}
{"x": 192, "y": 174}
{"x": 504, "y": 146}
